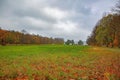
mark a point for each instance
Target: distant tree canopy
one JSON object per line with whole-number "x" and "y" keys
{"x": 107, "y": 30}
{"x": 14, "y": 37}
{"x": 69, "y": 42}
{"x": 72, "y": 42}
{"x": 80, "y": 42}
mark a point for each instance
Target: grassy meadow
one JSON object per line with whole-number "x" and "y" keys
{"x": 59, "y": 62}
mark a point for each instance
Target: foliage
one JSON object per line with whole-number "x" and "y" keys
{"x": 69, "y": 42}
{"x": 14, "y": 37}
{"x": 80, "y": 42}
{"x": 107, "y": 31}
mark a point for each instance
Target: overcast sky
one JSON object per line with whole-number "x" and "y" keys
{"x": 68, "y": 19}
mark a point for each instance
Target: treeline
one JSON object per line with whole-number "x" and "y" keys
{"x": 15, "y": 37}
{"x": 107, "y": 30}
{"x": 71, "y": 42}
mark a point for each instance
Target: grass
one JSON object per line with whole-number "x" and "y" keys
{"x": 59, "y": 62}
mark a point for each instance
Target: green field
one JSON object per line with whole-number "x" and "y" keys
{"x": 59, "y": 62}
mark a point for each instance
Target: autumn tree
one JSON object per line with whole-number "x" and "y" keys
{"x": 3, "y": 37}
{"x": 107, "y": 31}
{"x": 15, "y": 37}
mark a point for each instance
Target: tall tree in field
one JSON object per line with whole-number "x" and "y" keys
{"x": 72, "y": 42}
{"x": 3, "y": 37}
{"x": 91, "y": 39}
{"x": 80, "y": 42}
{"x": 107, "y": 32}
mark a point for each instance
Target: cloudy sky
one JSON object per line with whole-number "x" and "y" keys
{"x": 68, "y": 19}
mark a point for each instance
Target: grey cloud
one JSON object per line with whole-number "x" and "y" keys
{"x": 81, "y": 16}
{"x": 34, "y": 13}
